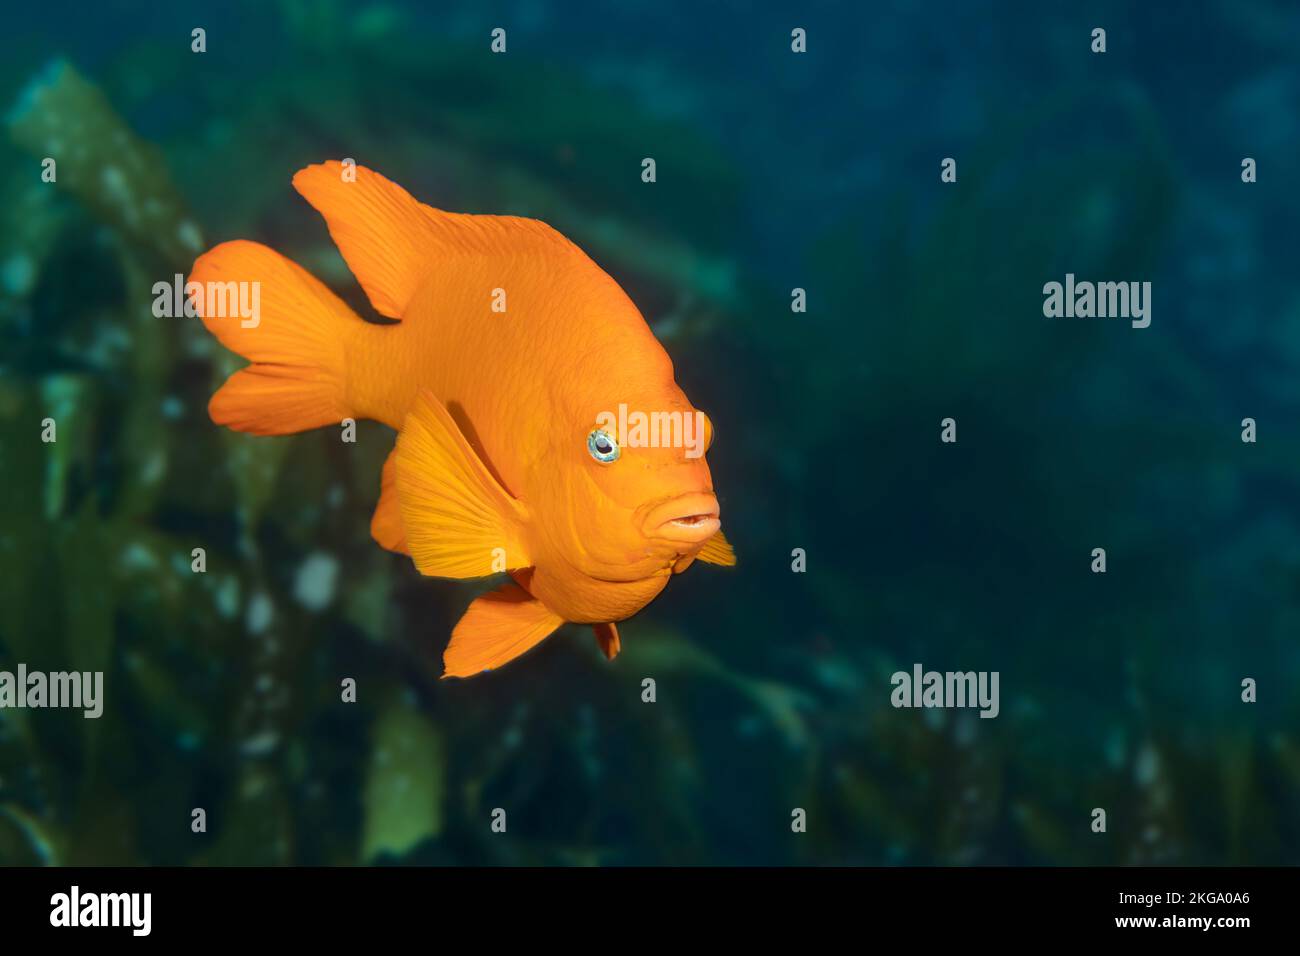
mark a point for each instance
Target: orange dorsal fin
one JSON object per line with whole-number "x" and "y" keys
{"x": 607, "y": 638}
{"x": 380, "y": 229}
{"x": 717, "y": 550}
{"x": 459, "y": 521}
{"x": 386, "y": 524}
{"x": 392, "y": 242}
{"x": 497, "y": 628}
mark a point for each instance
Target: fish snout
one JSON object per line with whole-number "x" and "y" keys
{"x": 687, "y": 519}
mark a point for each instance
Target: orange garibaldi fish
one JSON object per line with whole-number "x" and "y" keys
{"x": 499, "y": 463}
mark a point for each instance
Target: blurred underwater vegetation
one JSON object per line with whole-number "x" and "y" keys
{"x": 1119, "y": 691}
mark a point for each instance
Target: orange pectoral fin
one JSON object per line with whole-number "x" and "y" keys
{"x": 459, "y": 521}
{"x": 607, "y": 638}
{"x": 497, "y": 628}
{"x": 717, "y": 550}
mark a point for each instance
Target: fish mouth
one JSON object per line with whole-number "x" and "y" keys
{"x": 688, "y": 519}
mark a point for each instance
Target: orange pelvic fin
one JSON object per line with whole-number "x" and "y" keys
{"x": 296, "y": 340}
{"x": 459, "y": 521}
{"x": 497, "y": 628}
{"x": 607, "y": 638}
{"x": 717, "y": 550}
{"x": 386, "y": 524}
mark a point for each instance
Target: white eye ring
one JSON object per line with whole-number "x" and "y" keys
{"x": 602, "y": 446}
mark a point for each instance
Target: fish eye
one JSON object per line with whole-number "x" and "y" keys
{"x": 602, "y": 446}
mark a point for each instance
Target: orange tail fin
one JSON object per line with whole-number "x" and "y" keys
{"x": 289, "y": 324}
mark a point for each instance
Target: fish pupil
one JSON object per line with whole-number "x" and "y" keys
{"x": 602, "y": 447}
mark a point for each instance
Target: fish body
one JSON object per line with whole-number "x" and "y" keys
{"x": 511, "y": 347}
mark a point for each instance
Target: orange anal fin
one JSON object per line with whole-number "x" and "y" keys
{"x": 386, "y": 524}
{"x": 497, "y": 628}
{"x": 717, "y": 550}
{"x": 607, "y": 638}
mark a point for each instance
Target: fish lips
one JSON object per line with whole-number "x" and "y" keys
{"x": 687, "y": 519}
